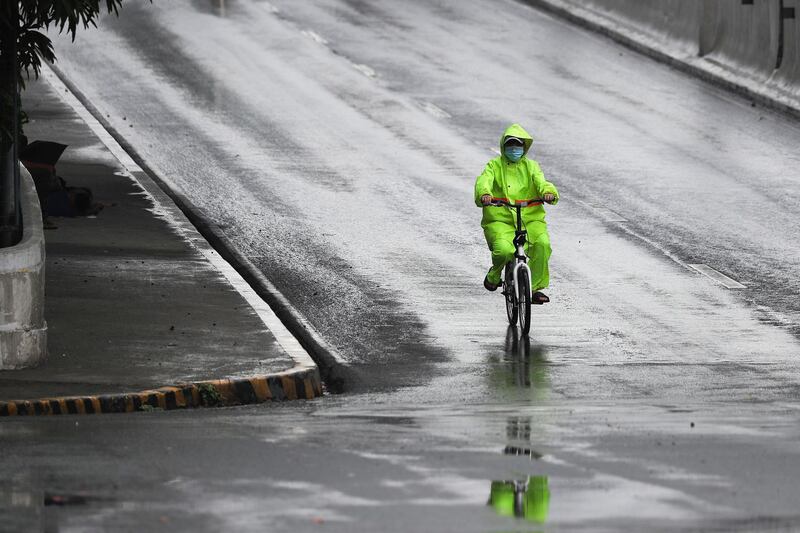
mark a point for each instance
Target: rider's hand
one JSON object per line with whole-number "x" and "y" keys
{"x": 549, "y": 197}
{"x": 486, "y": 199}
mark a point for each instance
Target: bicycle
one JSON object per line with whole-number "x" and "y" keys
{"x": 516, "y": 274}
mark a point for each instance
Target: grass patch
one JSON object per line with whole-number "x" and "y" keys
{"x": 210, "y": 395}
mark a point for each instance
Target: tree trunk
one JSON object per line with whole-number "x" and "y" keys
{"x": 10, "y": 215}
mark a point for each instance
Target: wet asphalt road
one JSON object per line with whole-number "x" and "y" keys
{"x": 336, "y": 144}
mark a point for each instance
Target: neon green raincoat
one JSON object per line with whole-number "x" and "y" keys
{"x": 515, "y": 182}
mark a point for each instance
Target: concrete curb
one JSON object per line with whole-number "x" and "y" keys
{"x": 334, "y": 372}
{"x": 23, "y": 330}
{"x": 294, "y": 384}
{"x": 715, "y": 75}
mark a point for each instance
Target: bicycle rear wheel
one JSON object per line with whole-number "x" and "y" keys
{"x": 524, "y": 301}
{"x": 510, "y": 295}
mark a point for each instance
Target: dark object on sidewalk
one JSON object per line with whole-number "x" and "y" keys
{"x": 42, "y": 152}
{"x": 72, "y": 202}
{"x": 55, "y": 197}
{"x": 40, "y": 158}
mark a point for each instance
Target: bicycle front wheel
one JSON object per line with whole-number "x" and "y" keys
{"x": 524, "y": 301}
{"x": 510, "y": 295}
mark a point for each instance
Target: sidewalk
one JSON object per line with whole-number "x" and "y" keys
{"x": 134, "y": 304}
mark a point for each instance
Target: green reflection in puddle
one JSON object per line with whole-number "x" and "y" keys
{"x": 522, "y": 499}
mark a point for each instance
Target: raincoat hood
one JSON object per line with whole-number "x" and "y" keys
{"x": 515, "y": 130}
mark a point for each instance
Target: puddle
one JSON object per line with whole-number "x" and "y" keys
{"x": 522, "y": 365}
{"x": 594, "y": 498}
{"x": 528, "y": 499}
{"x": 536, "y": 486}
{"x": 32, "y": 498}
{"x": 24, "y": 507}
{"x": 62, "y": 500}
{"x": 523, "y": 452}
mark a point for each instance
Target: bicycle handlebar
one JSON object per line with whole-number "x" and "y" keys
{"x": 505, "y": 203}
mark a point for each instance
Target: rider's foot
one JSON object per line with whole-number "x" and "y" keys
{"x": 488, "y": 285}
{"x": 539, "y": 298}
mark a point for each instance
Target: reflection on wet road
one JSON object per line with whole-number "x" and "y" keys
{"x": 612, "y": 467}
{"x": 524, "y": 364}
{"x": 529, "y": 499}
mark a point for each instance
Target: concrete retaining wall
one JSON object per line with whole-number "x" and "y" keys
{"x": 742, "y": 36}
{"x": 672, "y": 23}
{"x": 786, "y": 79}
{"x": 23, "y": 331}
{"x": 750, "y": 47}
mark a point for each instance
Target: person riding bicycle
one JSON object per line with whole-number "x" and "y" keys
{"x": 513, "y": 177}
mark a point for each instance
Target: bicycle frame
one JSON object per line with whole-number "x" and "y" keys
{"x": 522, "y": 264}
{"x": 519, "y": 239}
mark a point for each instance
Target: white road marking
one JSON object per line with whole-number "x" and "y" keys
{"x": 719, "y": 277}
{"x": 641, "y": 237}
{"x": 364, "y": 69}
{"x": 165, "y": 207}
{"x": 606, "y": 214}
{"x": 609, "y": 215}
{"x": 495, "y": 150}
{"x": 271, "y": 8}
{"x": 435, "y": 110}
{"x": 316, "y": 37}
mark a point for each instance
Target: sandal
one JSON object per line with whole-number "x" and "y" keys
{"x": 539, "y": 298}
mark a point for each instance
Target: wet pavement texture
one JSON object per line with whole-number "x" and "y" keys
{"x": 361, "y": 463}
{"x": 336, "y": 143}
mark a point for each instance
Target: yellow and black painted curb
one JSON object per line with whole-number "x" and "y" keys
{"x": 295, "y": 384}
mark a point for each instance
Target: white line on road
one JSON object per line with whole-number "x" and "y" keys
{"x": 436, "y": 111}
{"x": 639, "y": 236}
{"x": 719, "y": 277}
{"x": 272, "y": 9}
{"x": 609, "y": 215}
{"x": 364, "y": 69}
{"x": 605, "y": 213}
{"x": 316, "y": 37}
